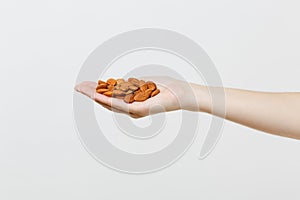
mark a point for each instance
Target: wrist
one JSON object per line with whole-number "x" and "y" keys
{"x": 203, "y": 98}
{"x": 196, "y": 98}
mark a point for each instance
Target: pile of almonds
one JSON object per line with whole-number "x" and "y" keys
{"x": 130, "y": 90}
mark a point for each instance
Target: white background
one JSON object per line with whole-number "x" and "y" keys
{"x": 254, "y": 44}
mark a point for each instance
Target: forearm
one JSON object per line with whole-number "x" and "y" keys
{"x": 276, "y": 113}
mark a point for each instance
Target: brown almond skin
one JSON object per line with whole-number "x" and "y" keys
{"x": 129, "y": 92}
{"x": 120, "y": 80}
{"x": 100, "y": 81}
{"x": 136, "y": 92}
{"x": 143, "y": 87}
{"x": 118, "y": 93}
{"x": 117, "y": 87}
{"x": 155, "y": 92}
{"x": 141, "y": 82}
{"x": 134, "y": 81}
{"x": 133, "y": 87}
{"x": 101, "y": 90}
{"x": 141, "y": 96}
{"x": 129, "y": 98}
{"x": 108, "y": 93}
{"x": 125, "y": 86}
{"x": 102, "y": 85}
{"x": 110, "y": 87}
{"x": 111, "y": 81}
{"x": 151, "y": 85}
{"x": 148, "y": 92}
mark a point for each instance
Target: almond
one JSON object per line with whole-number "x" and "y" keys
{"x": 118, "y": 93}
{"x": 155, "y": 92}
{"x": 130, "y": 91}
{"x": 110, "y": 87}
{"x": 120, "y": 80}
{"x": 125, "y": 86}
{"x": 100, "y": 81}
{"x": 141, "y": 82}
{"x": 111, "y": 81}
{"x": 134, "y": 81}
{"x": 129, "y": 98}
{"x": 141, "y": 96}
{"x": 102, "y": 85}
{"x": 108, "y": 93}
{"x": 143, "y": 87}
{"x": 133, "y": 87}
{"x": 102, "y": 90}
{"x": 148, "y": 92}
{"x": 151, "y": 85}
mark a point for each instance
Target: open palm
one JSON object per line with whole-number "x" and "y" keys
{"x": 170, "y": 97}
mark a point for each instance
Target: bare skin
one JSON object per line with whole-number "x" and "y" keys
{"x": 275, "y": 113}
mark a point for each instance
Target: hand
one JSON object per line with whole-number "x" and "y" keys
{"x": 174, "y": 95}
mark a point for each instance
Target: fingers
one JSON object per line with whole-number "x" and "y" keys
{"x": 118, "y": 107}
{"x": 112, "y": 102}
{"x": 87, "y": 88}
{"x": 133, "y": 115}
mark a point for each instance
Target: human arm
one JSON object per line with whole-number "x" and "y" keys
{"x": 276, "y": 113}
